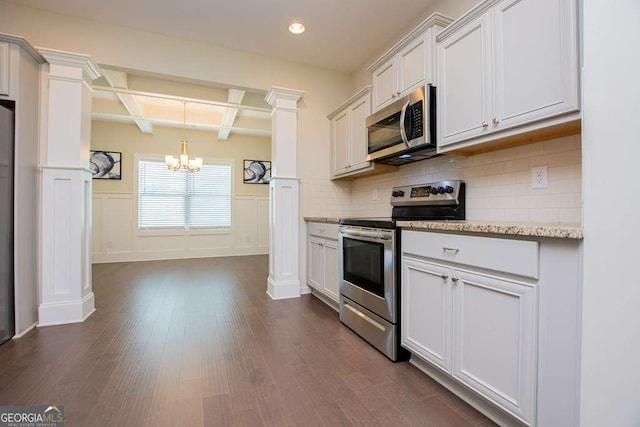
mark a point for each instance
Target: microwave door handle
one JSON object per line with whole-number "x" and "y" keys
{"x": 403, "y": 132}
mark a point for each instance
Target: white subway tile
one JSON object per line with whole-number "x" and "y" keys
{"x": 518, "y": 165}
{"x": 570, "y": 216}
{"x": 572, "y": 157}
{"x": 530, "y": 202}
{"x": 562, "y": 172}
{"x": 560, "y": 201}
{"x": 503, "y": 203}
{"x": 516, "y": 215}
{"x": 547, "y": 159}
{"x": 504, "y": 178}
{"x": 485, "y": 170}
{"x": 544, "y": 215}
{"x": 482, "y": 159}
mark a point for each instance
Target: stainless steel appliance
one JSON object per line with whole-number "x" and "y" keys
{"x": 404, "y": 131}
{"x": 7, "y": 318}
{"x": 369, "y": 261}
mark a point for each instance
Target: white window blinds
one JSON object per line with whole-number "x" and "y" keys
{"x": 168, "y": 199}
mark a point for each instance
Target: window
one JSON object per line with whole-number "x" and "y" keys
{"x": 168, "y": 199}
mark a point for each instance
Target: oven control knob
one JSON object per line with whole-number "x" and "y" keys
{"x": 400, "y": 193}
{"x": 449, "y": 189}
{"x": 441, "y": 190}
{"x": 434, "y": 190}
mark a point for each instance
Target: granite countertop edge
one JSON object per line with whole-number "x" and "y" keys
{"x": 326, "y": 220}
{"x": 561, "y": 231}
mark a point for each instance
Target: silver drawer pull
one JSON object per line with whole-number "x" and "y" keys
{"x": 364, "y": 317}
{"x": 454, "y": 279}
{"x": 446, "y": 249}
{"x": 444, "y": 277}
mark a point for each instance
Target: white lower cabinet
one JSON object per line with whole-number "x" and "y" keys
{"x": 494, "y": 340}
{"x": 496, "y": 320}
{"x": 477, "y": 328}
{"x": 322, "y": 259}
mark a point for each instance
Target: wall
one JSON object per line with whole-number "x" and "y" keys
{"x": 498, "y": 183}
{"x": 115, "y": 233}
{"x": 611, "y": 291}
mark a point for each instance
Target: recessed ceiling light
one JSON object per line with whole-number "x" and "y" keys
{"x": 296, "y": 27}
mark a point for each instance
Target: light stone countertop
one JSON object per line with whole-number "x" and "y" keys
{"x": 325, "y": 220}
{"x": 561, "y": 231}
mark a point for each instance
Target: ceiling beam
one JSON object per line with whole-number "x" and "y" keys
{"x": 118, "y": 80}
{"x": 181, "y": 99}
{"x": 230, "y": 113}
{"x": 122, "y": 118}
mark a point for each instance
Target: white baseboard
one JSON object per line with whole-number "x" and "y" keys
{"x": 25, "y": 332}
{"x": 51, "y": 314}
{"x": 283, "y": 290}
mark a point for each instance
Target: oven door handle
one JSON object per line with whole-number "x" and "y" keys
{"x": 366, "y": 234}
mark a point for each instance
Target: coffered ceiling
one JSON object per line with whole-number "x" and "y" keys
{"x": 151, "y": 100}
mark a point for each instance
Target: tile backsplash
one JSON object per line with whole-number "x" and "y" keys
{"x": 498, "y": 183}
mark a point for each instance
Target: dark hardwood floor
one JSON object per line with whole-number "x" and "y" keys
{"x": 199, "y": 343}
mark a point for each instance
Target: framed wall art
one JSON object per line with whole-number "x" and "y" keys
{"x": 105, "y": 164}
{"x": 257, "y": 171}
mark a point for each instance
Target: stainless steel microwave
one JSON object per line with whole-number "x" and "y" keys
{"x": 404, "y": 131}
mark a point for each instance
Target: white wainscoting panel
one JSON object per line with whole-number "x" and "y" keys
{"x": 117, "y": 239}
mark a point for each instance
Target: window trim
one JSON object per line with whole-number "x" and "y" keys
{"x": 179, "y": 231}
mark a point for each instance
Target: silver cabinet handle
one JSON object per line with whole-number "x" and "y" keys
{"x": 485, "y": 124}
{"x": 454, "y": 279}
{"x": 496, "y": 120}
{"x": 444, "y": 277}
{"x": 446, "y": 249}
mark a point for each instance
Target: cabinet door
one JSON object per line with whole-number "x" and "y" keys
{"x": 412, "y": 66}
{"x": 315, "y": 264}
{"x": 495, "y": 340}
{"x": 426, "y": 311}
{"x": 535, "y": 54}
{"x": 4, "y": 68}
{"x": 331, "y": 270}
{"x": 464, "y": 94}
{"x": 340, "y": 127}
{"x": 358, "y": 130}
{"x": 384, "y": 84}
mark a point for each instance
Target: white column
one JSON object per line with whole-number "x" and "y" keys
{"x": 65, "y": 189}
{"x": 284, "y": 280}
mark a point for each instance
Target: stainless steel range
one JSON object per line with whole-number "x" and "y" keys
{"x": 369, "y": 261}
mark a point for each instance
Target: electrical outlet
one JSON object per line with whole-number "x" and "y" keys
{"x": 374, "y": 194}
{"x": 109, "y": 244}
{"x": 539, "y": 177}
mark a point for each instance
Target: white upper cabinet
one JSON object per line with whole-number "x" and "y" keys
{"x": 349, "y": 134}
{"x": 340, "y": 135}
{"x": 464, "y": 92}
{"x": 506, "y": 68}
{"x": 349, "y": 139}
{"x": 4, "y": 68}
{"x": 407, "y": 65}
{"x": 384, "y": 84}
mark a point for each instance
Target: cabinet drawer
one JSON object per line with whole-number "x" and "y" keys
{"x": 510, "y": 256}
{"x": 321, "y": 229}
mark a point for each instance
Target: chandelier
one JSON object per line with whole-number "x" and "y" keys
{"x": 183, "y": 162}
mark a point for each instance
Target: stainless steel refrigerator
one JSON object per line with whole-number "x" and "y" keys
{"x": 7, "y": 318}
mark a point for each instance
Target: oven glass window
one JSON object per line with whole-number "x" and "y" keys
{"x": 364, "y": 265}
